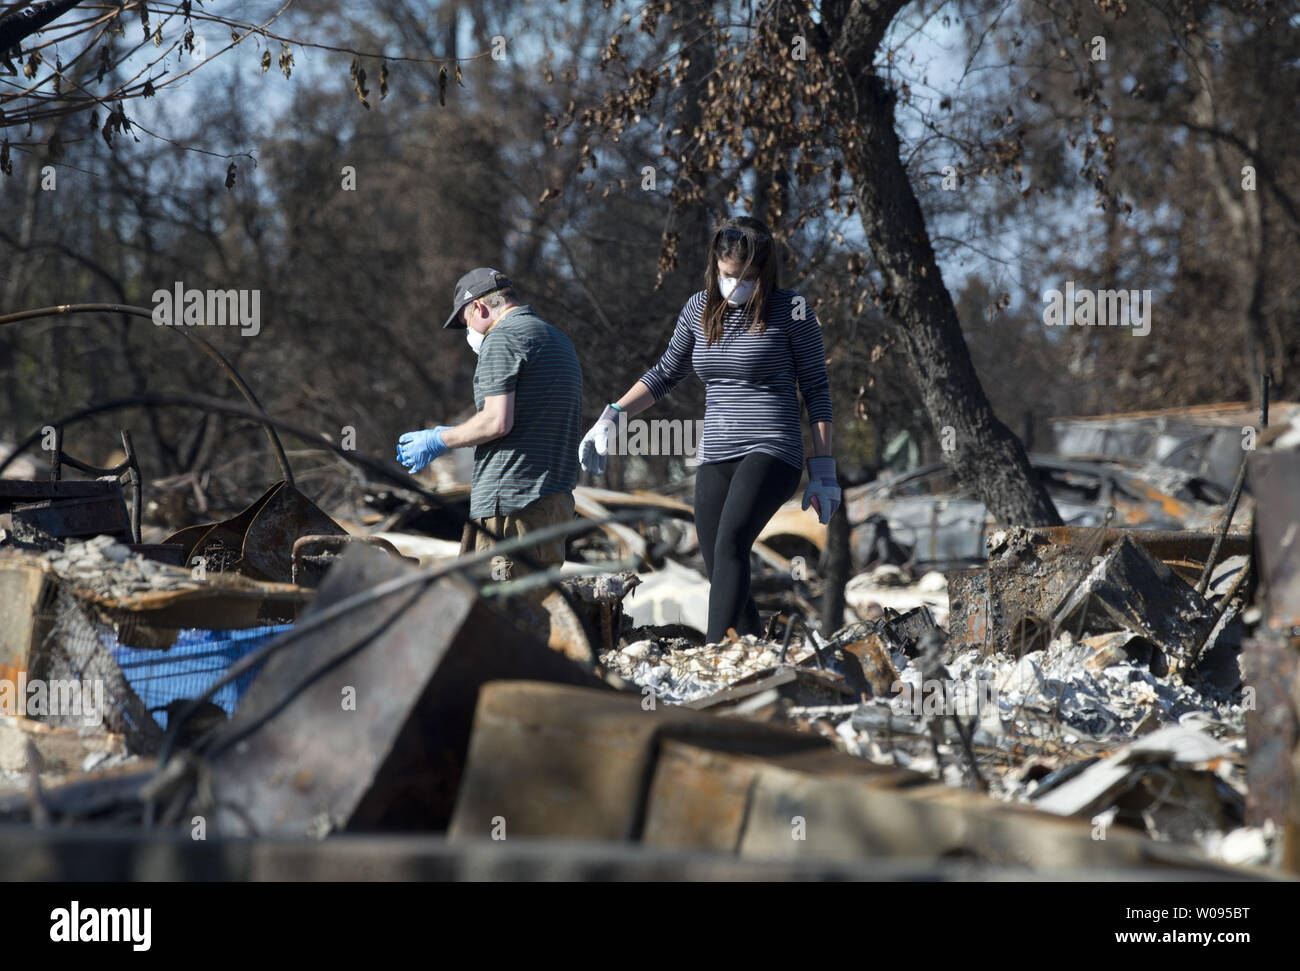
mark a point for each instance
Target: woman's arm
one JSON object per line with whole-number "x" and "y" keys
{"x": 810, "y": 372}
{"x": 637, "y": 399}
{"x": 821, "y": 434}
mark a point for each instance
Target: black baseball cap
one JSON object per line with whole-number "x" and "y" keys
{"x": 477, "y": 283}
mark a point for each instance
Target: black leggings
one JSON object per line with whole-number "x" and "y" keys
{"x": 733, "y": 502}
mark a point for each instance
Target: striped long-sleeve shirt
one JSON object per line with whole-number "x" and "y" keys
{"x": 749, "y": 378}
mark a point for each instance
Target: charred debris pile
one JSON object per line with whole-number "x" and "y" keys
{"x": 1105, "y": 697}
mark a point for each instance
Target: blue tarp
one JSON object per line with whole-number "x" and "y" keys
{"x": 191, "y": 665}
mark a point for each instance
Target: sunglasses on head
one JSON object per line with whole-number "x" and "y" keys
{"x": 736, "y": 235}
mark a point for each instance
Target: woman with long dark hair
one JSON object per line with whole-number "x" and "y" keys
{"x": 750, "y": 342}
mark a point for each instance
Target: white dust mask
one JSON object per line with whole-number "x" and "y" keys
{"x": 737, "y": 292}
{"x": 474, "y": 339}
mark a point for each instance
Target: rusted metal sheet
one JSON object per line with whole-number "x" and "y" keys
{"x": 286, "y": 514}
{"x": 968, "y": 609}
{"x": 1271, "y": 671}
{"x": 1025, "y": 585}
{"x": 364, "y": 722}
{"x": 827, "y": 805}
{"x": 1173, "y": 547}
{"x": 555, "y": 761}
{"x": 227, "y": 603}
{"x": 795, "y": 814}
{"x": 24, "y": 491}
{"x": 80, "y": 517}
{"x": 93, "y": 855}
{"x": 877, "y": 669}
{"x": 258, "y": 542}
{"x": 1203, "y": 439}
{"x": 698, "y": 798}
{"x": 171, "y": 553}
{"x": 1275, "y": 480}
{"x": 313, "y": 554}
{"x": 1007, "y": 605}
{"x": 1130, "y": 589}
{"x": 26, "y": 596}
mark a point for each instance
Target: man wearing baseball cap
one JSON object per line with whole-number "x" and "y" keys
{"x": 528, "y": 392}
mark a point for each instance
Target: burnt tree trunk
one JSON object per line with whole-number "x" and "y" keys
{"x": 987, "y": 456}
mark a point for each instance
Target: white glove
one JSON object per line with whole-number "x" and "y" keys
{"x": 595, "y": 444}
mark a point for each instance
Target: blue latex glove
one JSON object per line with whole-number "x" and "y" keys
{"x": 415, "y": 450}
{"x": 595, "y": 444}
{"x": 823, "y": 490}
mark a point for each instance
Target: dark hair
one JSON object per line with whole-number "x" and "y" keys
{"x": 748, "y": 240}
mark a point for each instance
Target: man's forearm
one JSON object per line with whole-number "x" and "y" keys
{"x": 477, "y": 430}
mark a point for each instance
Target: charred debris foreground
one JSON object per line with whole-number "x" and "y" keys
{"x": 1096, "y": 698}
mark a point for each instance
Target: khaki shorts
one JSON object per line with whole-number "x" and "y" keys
{"x": 548, "y": 511}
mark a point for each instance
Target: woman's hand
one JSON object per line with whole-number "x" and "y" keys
{"x": 823, "y": 491}
{"x": 595, "y": 444}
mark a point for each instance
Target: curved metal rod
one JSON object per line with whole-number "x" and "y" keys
{"x": 208, "y": 349}
{"x": 157, "y": 399}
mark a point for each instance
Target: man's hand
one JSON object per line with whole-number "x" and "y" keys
{"x": 595, "y": 444}
{"x": 823, "y": 490}
{"x": 415, "y": 450}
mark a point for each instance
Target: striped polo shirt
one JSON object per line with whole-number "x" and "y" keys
{"x": 749, "y": 378}
{"x": 539, "y": 455}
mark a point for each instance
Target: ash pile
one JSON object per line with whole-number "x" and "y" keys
{"x": 1084, "y": 672}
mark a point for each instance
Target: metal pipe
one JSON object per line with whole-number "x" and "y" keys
{"x": 1203, "y": 583}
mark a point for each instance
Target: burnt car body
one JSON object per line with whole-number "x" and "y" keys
{"x": 939, "y": 522}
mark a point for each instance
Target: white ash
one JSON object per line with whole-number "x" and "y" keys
{"x": 1047, "y": 701}
{"x": 104, "y": 567}
{"x": 810, "y": 712}
{"x": 678, "y": 676}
